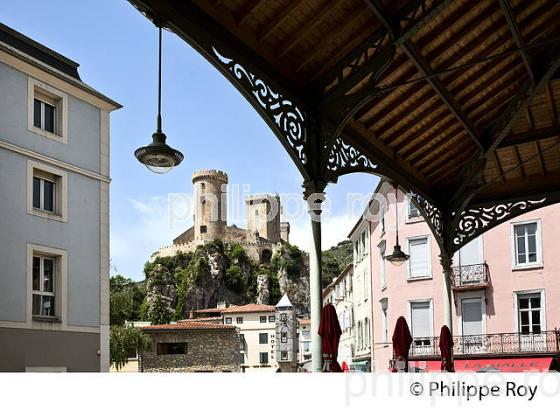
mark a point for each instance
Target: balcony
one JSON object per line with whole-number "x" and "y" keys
{"x": 509, "y": 344}
{"x": 469, "y": 277}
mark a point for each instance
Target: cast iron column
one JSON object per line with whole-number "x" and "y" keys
{"x": 447, "y": 297}
{"x": 315, "y": 198}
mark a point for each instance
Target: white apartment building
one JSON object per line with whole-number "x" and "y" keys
{"x": 257, "y": 330}
{"x": 361, "y": 295}
{"x": 340, "y": 294}
{"x": 54, "y": 212}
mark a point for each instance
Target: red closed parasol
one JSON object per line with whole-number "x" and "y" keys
{"x": 330, "y": 332}
{"x": 402, "y": 339}
{"x": 446, "y": 349}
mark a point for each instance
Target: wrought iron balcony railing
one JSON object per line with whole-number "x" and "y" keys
{"x": 468, "y": 277}
{"x": 492, "y": 344}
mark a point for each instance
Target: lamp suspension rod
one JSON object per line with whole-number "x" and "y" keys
{"x": 159, "y": 85}
{"x": 397, "y": 213}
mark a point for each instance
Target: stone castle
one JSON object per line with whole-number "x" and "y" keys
{"x": 265, "y": 232}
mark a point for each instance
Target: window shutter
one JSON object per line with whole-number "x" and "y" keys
{"x": 419, "y": 261}
{"x": 420, "y": 319}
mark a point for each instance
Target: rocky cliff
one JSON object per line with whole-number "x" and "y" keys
{"x": 217, "y": 272}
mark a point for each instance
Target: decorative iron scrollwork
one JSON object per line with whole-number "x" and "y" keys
{"x": 475, "y": 221}
{"x": 345, "y": 158}
{"x": 283, "y": 112}
{"x": 432, "y": 212}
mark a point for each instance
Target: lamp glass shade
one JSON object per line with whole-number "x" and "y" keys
{"x": 398, "y": 257}
{"x": 158, "y": 157}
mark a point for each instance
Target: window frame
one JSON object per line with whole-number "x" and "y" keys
{"x": 429, "y": 251}
{"x": 408, "y": 218}
{"x": 384, "y": 320}
{"x": 54, "y": 97}
{"x": 41, "y": 292}
{"x": 516, "y": 295}
{"x": 262, "y": 319}
{"x": 538, "y": 245}
{"x": 430, "y": 301}
{"x": 261, "y": 338}
{"x": 382, "y": 246}
{"x": 39, "y": 170}
{"x": 271, "y": 319}
{"x": 239, "y": 320}
{"x": 228, "y": 320}
{"x": 60, "y": 287}
{"x": 261, "y": 358}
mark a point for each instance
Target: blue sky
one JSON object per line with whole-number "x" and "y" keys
{"x": 203, "y": 116}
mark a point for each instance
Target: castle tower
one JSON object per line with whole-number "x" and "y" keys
{"x": 210, "y": 204}
{"x": 263, "y": 216}
{"x": 286, "y": 335}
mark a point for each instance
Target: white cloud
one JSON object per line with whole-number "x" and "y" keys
{"x": 334, "y": 230}
{"x": 132, "y": 243}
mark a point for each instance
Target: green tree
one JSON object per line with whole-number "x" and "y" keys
{"x": 159, "y": 313}
{"x": 122, "y": 339}
{"x": 120, "y": 307}
{"x": 235, "y": 280}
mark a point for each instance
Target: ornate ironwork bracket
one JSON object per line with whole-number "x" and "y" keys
{"x": 474, "y": 221}
{"x": 345, "y": 158}
{"x": 287, "y": 120}
{"x": 432, "y": 215}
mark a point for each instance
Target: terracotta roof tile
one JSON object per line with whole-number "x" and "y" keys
{"x": 305, "y": 322}
{"x": 250, "y": 308}
{"x": 210, "y": 310}
{"x": 194, "y": 325}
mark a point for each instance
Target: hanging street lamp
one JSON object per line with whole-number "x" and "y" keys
{"x": 158, "y": 156}
{"x": 398, "y": 257}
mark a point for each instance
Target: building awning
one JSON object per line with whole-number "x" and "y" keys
{"x": 511, "y": 365}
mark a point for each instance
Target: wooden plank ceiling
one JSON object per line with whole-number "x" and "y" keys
{"x": 447, "y": 84}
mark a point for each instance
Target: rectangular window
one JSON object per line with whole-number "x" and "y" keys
{"x": 44, "y": 115}
{"x": 263, "y": 338}
{"x": 306, "y": 346}
{"x": 44, "y": 193}
{"x": 526, "y": 244}
{"x": 382, "y": 271}
{"x": 203, "y": 229}
{"x": 44, "y": 271}
{"x": 263, "y": 319}
{"x": 529, "y": 310}
{"x": 384, "y": 321}
{"x": 47, "y": 191}
{"x": 241, "y": 358}
{"x": 263, "y": 357}
{"x": 365, "y": 284}
{"x": 228, "y": 320}
{"x": 241, "y": 342}
{"x": 47, "y": 111}
{"x": 413, "y": 211}
{"x": 284, "y": 337}
{"x": 284, "y": 355}
{"x": 239, "y": 320}
{"x": 171, "y": 348}
{"x": 419, "y": 261}
{"x": 420, "y": 323}
{"x": 272, "y": 318}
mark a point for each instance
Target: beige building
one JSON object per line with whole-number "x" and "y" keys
{"x": 304, "y": 343}
{"x": 257, "y": 331}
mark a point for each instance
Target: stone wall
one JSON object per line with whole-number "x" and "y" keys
{"x": 208, "y": 350}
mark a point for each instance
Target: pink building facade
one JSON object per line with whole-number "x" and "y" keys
{"x": 506, "y": 290}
